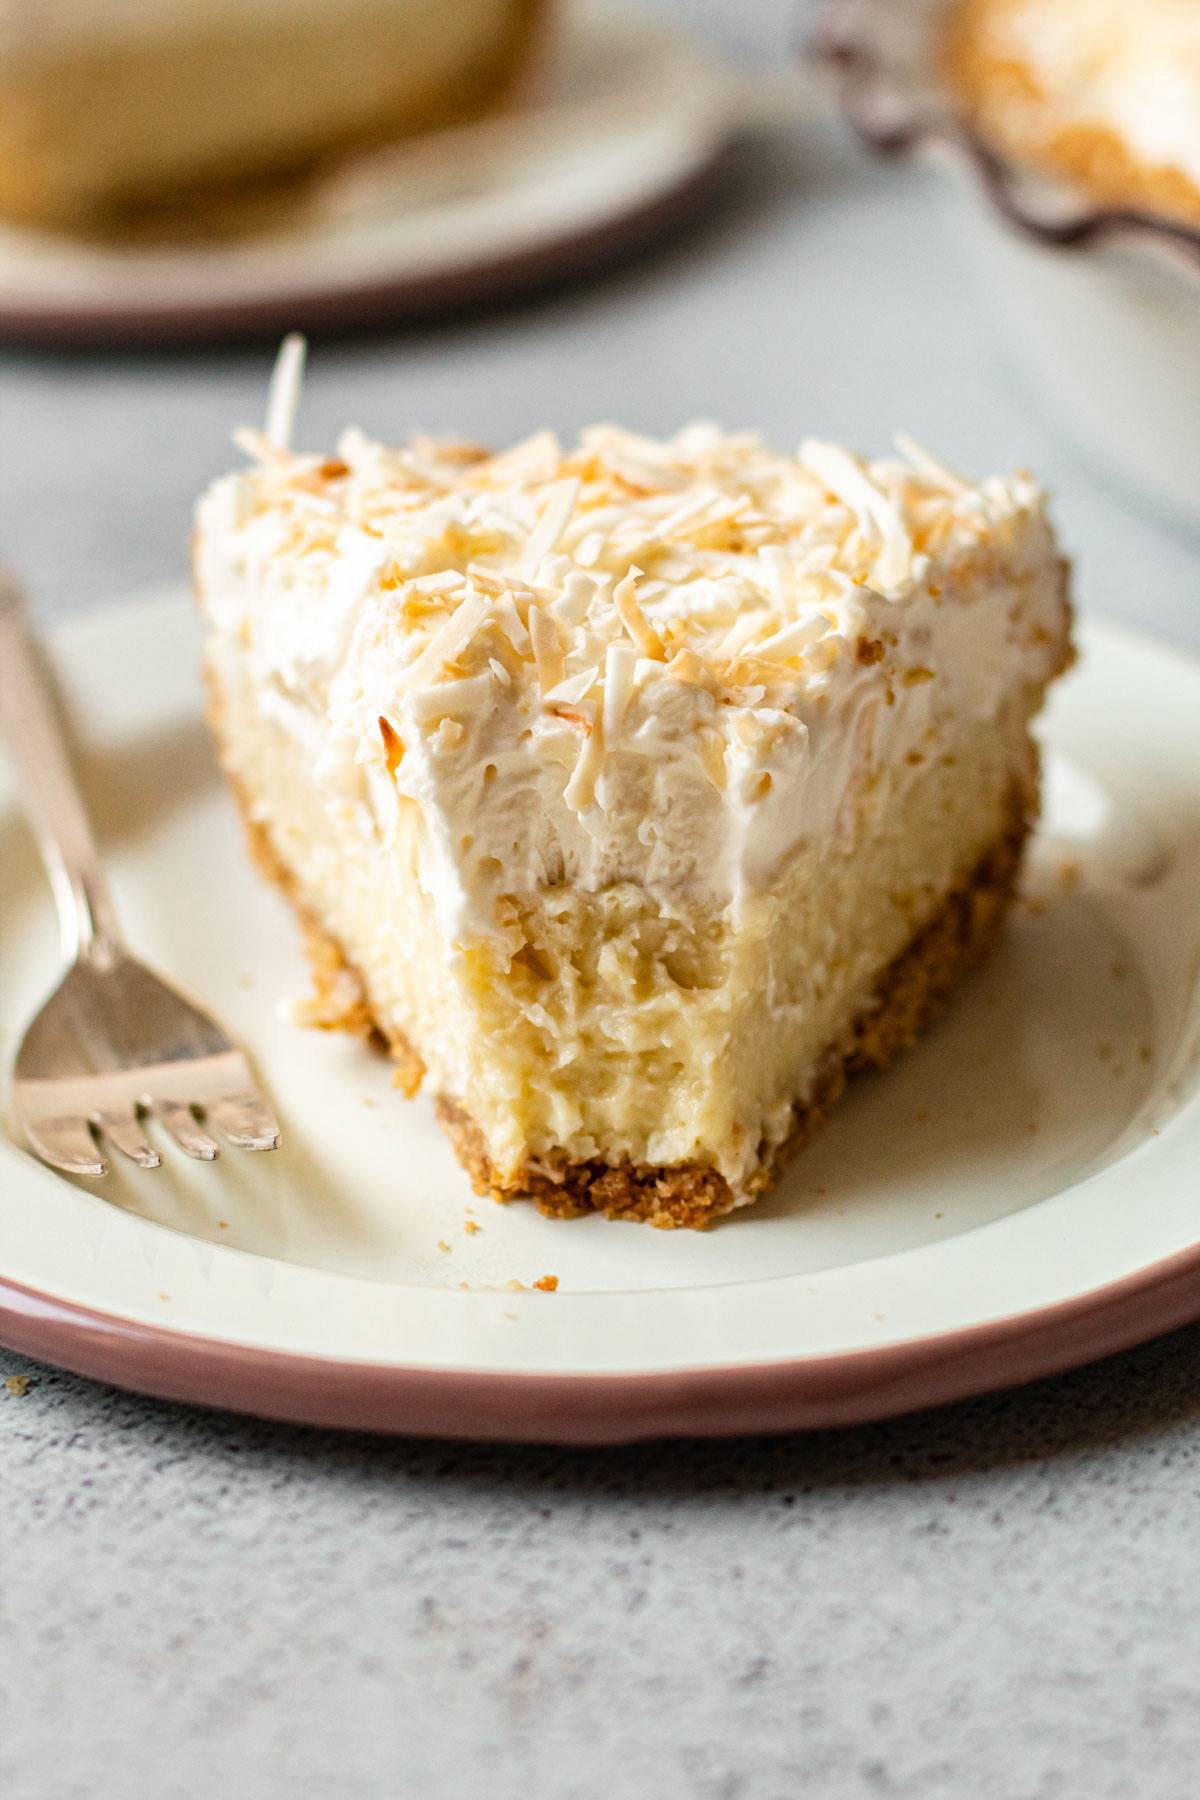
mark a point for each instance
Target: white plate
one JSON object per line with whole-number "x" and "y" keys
{"x": 1018, "y": 1193}
{"x": 627, "y": 120}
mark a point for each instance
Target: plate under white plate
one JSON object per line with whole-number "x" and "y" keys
{"x": 1039, "y": 1144}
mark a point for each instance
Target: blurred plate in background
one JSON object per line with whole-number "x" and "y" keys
{"x": 627, "y": 123}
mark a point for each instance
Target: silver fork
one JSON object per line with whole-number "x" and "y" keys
{"x": 113, "y": 1042}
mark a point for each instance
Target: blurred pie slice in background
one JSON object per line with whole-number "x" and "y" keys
{"x": 189, "y": 117}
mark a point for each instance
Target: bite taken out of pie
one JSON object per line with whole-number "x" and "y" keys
{"x": 633, "y": 794}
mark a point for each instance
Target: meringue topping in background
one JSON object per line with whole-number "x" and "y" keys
{"x": 1104, "y": 92}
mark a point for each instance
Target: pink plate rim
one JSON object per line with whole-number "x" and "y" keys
{"x": 807, "y": 1393}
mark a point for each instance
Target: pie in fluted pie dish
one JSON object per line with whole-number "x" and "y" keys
{"x": 1105, "y": 93}
{"x": 637, "y": 792}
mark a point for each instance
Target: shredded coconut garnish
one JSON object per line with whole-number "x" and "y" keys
{"x": 875, "y": 513}
{"x": 283, "y": 394}
{"x": 634, "y": 620}
{"x": 510, "y": 623}
{"x": 448, "y": 643}
{"x": 939, "y": 474}
{"x": 619, "y": 663}
{"x": 580, "y": 791}
{"x": 560, "y": 501}
{"x": 574, "y": 689}
{"x": 782, "y": 645}
{"x": 582, "y": 586}
{"x": 547, "y": 649}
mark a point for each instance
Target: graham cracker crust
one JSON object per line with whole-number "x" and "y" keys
{"x": 909, "y": 995}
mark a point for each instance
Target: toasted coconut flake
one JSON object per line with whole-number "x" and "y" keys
{"x": 445, "y": 581}
{"x": 580, "y": 791}
{"x": 792, "y": 639}
{"x": 393, "y": 745}
{"x": 578, "y": 592}
{"x": 878, "y": 520}
{"x": 446, "y": 644}
{"x": 685, "y": 665}
{"x": 591, "y": 549}
{"x": 258, "y": 447}
{"x": 559, "y": 504}
{"x": 490, "y": 582}
{"x": 931, "y": 468}
{"x": 686, "y": 512}
{"x": 577, "y": 719}
{"x": 536, "y": 458}
{"x": 438, "y": 701}
{"x": 575, "y": 688}
{"x": 643, "y": 477}
{"x": 547, "y": 649}
{"x": 739, "y": 635}
{"x": 819, "y": 656}
{"x": 712, "y": 758}
{"x": 509, "y": 621}
{"x": 634, "y": 620}
{"x": 283, "y": 393}
{"x": 606, "y": 439}
{"x": 780, "y": 573}
{"x": 619, "y": 664}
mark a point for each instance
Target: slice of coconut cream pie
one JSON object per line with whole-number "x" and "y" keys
{"x": 634, "y": 793}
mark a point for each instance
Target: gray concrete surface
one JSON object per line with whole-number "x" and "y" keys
{"x": 996, "y": 1602}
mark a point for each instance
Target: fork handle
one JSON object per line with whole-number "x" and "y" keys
{"x": 34, "y": 739}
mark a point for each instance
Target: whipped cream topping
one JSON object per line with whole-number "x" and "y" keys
{"x": 667, "y": 663}
{"x": 1131, "y": 66}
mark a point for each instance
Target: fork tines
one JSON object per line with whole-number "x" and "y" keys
{"x": 68, "y": 1118}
